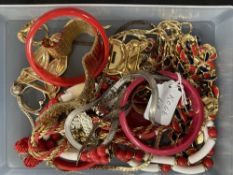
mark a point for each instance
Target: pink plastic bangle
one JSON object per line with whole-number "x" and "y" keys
{"x": 193, "y": 130}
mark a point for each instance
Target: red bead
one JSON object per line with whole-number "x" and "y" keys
{"x": 104, "y": 86}
{"x": 208, "y": 163}
{"x": 212, "y": 132}
{"x": 195, "y": 77}
{"x": 120, "y": 154}
{"x": 176, "y": 126}
{"x": 178, "y": 48}
{"x": 50, "y": 144}
{"x": 206, "y": 75}
{"x": 194, "y": 50}
{"x": 129, "y": 155}
{"x": 192, "y": 69}
{"x": 213, "y": 117}
{"x": 213, "y": 56}
{"x": 211, "y": 64}
{"x": 101, "y": 151}
{"x": 21, "y": 146}
{"x": 165, "y": 168}
{"x": 138, "y": 156}
{"x": 215, "y": 91}
{"x": 183, "y": 57}
{"x": 56, "y": 137}
{"x": 211, "y": 153}
{"x": 181, "y": 161}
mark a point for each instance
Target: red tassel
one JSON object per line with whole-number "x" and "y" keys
{"x": 21, "y": 146}
{"x": 31, "y": 162}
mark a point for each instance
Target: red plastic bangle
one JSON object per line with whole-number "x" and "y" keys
{"x": 193, "y": 130}
{"x": 45, "y": 75}
{"x": 71, "y": 166}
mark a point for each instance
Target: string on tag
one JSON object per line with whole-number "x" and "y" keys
{"x": 183, "y": 95}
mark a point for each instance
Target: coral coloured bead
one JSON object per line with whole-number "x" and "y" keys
{"x": 212, "y": 132}
{"x": 212, "y": 117}
{"x": 165, "y": 168}
{"x": 213, "y": 56}
{"x": 183, "y": 57}
{"x": 211, "y": 153}
{"x": 104, "y": 86}
{"x": 181, "y": 161}
{"x": 178, "y": 48}
{"x": 129, "y": 155}
{"x": 138, "y": 156}
{"x": 192, "y": 69}
{"x": 194, "y": 49}
{"x": 215, "y": 91}
{"x": 101, "y": 151}
{"x": 176, "y": 126}
{"x": 208, "y": 163}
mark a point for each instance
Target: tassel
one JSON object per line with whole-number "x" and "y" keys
{"x": 31, "y": 162}
{"x": 21, "y": 146}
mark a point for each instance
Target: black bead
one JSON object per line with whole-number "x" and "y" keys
{"x": 180, "y": 68}
{"x": 207, "y": 55}
{"x": 190, "y": 58}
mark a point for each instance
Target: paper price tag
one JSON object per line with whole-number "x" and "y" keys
{"x": 168, "y": 98}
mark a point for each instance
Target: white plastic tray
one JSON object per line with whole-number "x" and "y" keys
{"x": 213, "y": 24}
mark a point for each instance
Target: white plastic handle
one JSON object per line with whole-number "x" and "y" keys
{"x": 202, "y": 152}
{"x": 164, "y": 160}
{"x": 189, "y": 170}
{"x": 72, "y": 92}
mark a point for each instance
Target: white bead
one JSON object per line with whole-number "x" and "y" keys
{"x": 210, "y": 124}
{"x": 146, "y": 156}
{"x": 208, "y": 146}
{"x": 149, "y": 168}
{"x": 71, "y": 154}
{"x": 152, "y": 168}
{"x": 189, "y": 170}
{"x": 164, "y": 160}
{"x": 76, "y": 89}
{"x": 206, "y": 135}
{"x": 72, "y": 92}
{"x": 133, "y": 163}
{"x": 66, "y": 97}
